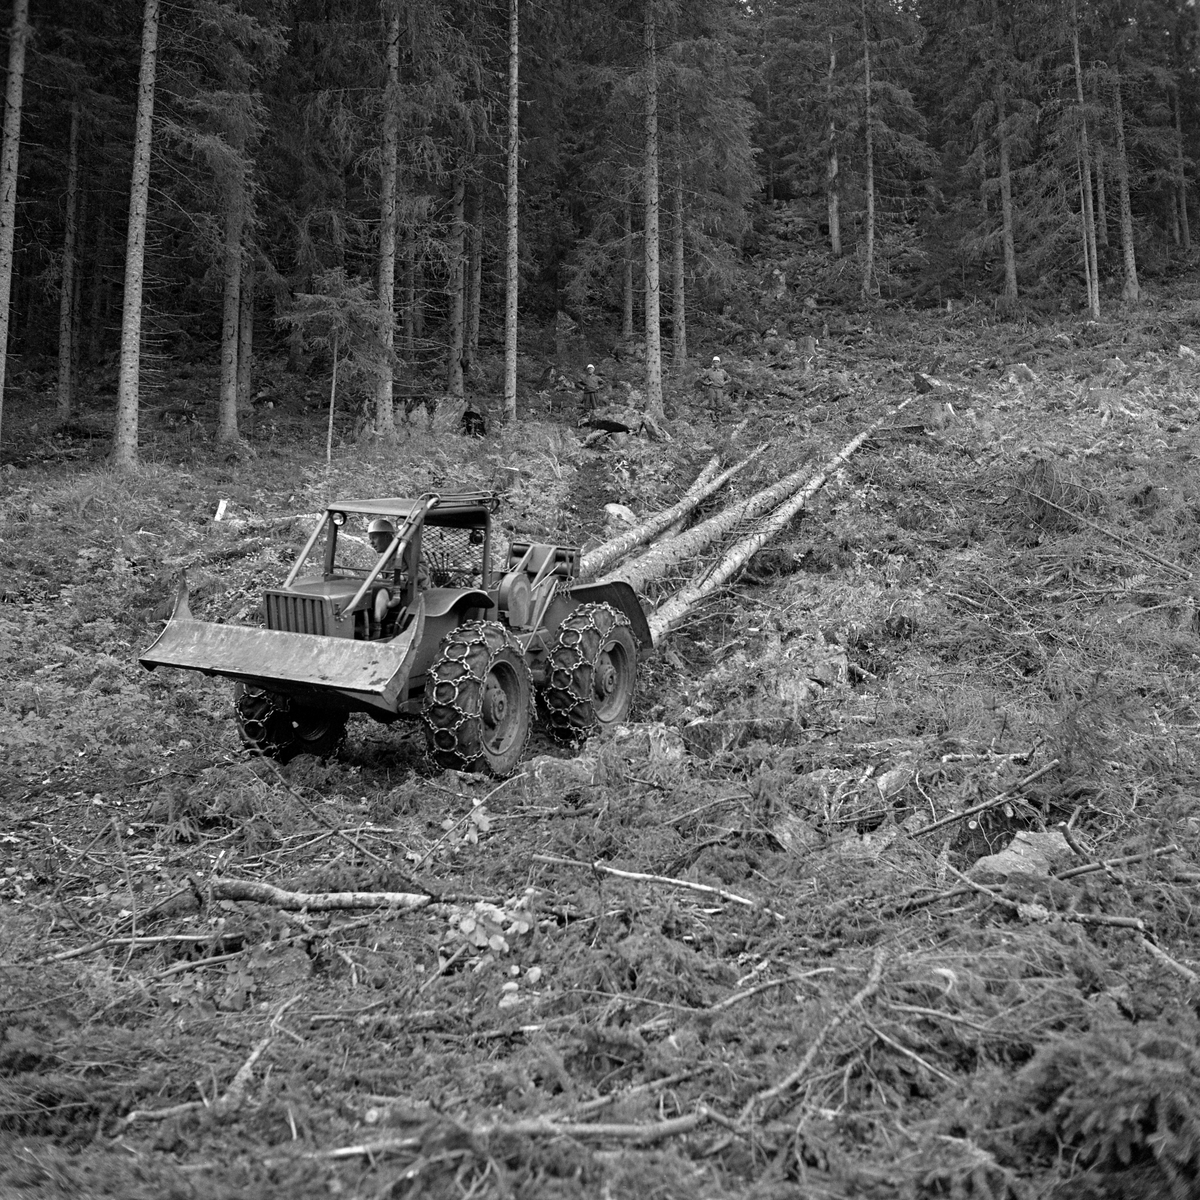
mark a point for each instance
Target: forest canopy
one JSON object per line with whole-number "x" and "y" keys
{"x": 1040, "y": 151}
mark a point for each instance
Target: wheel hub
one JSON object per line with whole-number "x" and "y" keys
{"x": 495, "y": 704}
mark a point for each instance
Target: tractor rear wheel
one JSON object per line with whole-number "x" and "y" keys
{"x": 281, "y": 727}
{"x": 592, "y": 673}
{"x": 478, "y": 700}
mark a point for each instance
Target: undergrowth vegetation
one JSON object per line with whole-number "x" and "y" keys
{"x": 888, "y": 889}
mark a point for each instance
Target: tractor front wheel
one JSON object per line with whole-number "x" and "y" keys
{"x": 280, "y": 727}
{"x": 593, "y": 673}
{"x": 478, "y": 700}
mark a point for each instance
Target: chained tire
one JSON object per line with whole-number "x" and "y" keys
{"x": 592, "y": 674}
{"x": 478, "y": 700}
{"x": 280, "y": 727}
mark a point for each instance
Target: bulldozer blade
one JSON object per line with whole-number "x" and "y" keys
{"x": 369, "y": 675}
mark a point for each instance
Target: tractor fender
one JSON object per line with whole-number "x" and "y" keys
{"x": 623, "y": 598}
{"x": 441, "y": 600}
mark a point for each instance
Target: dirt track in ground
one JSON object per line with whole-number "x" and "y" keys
{"x": 806, "y": 997}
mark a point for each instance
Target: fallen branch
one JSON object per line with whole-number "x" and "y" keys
{"x": 994, "y": 802}
{"x": 1128, "y": 543}
{"x": 705, "y": 485}
{"x": 265, "y": 893}
{"x": 911, "y": 903}
{"x": 665, "y": 880}
{"x": 768, "y": 1095}
{"x": 675, "y": 610}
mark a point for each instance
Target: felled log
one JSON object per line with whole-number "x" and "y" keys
{"x": 676, "y": 609}
{"x": 662, "y": 556}
{"x": 705, "y": 485}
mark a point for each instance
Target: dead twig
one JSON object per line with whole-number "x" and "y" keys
{"x": 665, "y": 880}
{"x": 1174, "y": 568}
{"x": 767, "y": 1096}
{"x": 994, "y": 802}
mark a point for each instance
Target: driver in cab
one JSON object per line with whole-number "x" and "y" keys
{"x": 381, "y": 533}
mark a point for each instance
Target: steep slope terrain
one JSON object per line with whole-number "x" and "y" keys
{"x": 886, "y": 890}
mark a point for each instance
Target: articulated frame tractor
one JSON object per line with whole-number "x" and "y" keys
{"x": 425, "y": 629}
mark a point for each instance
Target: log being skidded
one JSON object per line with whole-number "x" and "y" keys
{"x": 710, "y": 480}
{"x": 676, "y": 609}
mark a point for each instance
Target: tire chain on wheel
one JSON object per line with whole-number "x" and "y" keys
{"x": 463, "y": 658}
{"x": 259, "y": 707}
{"x": 568, "y": 697}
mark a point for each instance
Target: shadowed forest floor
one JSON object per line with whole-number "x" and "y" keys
{"x": 814, "y": 988}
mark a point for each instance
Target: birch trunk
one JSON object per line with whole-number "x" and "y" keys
{"x": 235, "y": 220}
{"x": 1091, "y": 266}
{"x": 385, "y": 417}
{"x": 1132, "y": 291}
{"x": 67, "y": 294}
{"x": 18, "y": 38}
{"x": 125, "y": 437}
{"x": 458, "y": 275}
{"x": 654, "y": 396}
{"x": 511, "y": 199}
{"x": 832, "y": 196}
{"x": 868, "y": 167}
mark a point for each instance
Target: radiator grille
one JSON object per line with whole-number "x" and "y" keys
{"x": 296, "y": 614}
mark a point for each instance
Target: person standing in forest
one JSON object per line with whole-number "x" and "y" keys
{"x": 714, "y": 380}
{"x": 591, "y": 384}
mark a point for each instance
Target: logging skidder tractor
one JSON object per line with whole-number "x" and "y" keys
{"x": 429, "y": 629}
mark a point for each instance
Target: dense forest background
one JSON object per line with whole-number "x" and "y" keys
{"x": 339, "y": 176}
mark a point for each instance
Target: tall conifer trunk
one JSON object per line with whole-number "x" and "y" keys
{"x": 1101, "y": 198}
{"x": 474, "y": 271}
{"x": 458, "y": 274}
{"x": 678, "y": 279}
{"x": 1131, "y": 291}
{"x": 125, "y": 438}
{"x": 1091, "y": 267}
{"x": 654, "y": 397}
{"x": 511, "y": 198}
{"x": 68, "y": 290}
{"x": 1006, "y": 208}
{"x": 14, "y": 90}
{"x": 235, "y": 220}
{"x": 410, "y": 294}
{"x": 868, "y": 278}
{"x": 678, "y": 258}
{"x": 627, "y": 275}
{"x": 1181, "y": 174}
{"x": 385, "y": 420}
{"x": 245, "y": 364}
{"x": 832, "y": 184}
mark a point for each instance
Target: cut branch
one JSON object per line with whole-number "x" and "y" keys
{"x": 265, "y": 893}
{"x": 666, "y": 880}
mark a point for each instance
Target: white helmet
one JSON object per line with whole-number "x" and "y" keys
{"x": 381, "y": 525}
{"x": 591, "y": 367}
{"x": 716, "y": 361}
